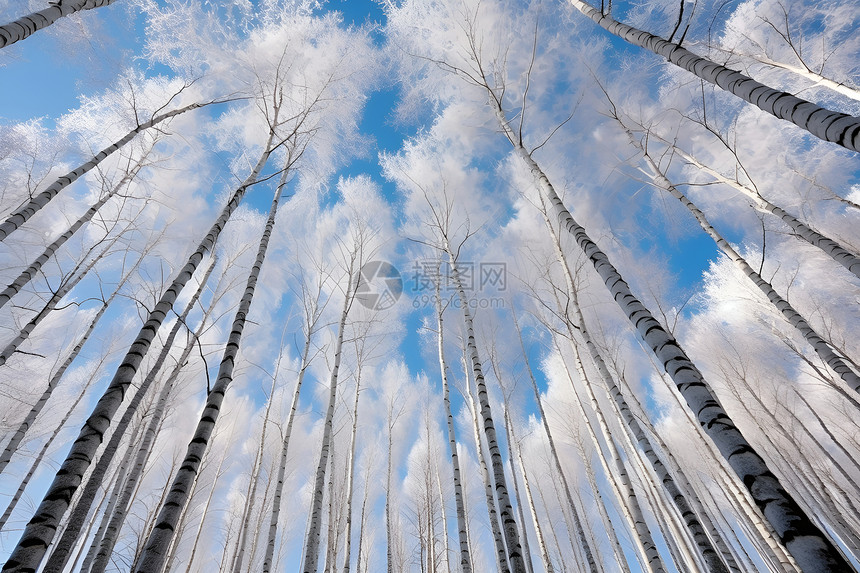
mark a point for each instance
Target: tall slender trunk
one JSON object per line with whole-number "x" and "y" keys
{"x": 703, "y": 543}
{"x": 802, "y": 71}
{"x": 827, "y": 245}
{"x": 463, "y": 536}
{"x": 544, "y": 553}
{"x": 204, "y": 513}
{"x": 27, "y": 274}
{"x": 632, "y": 508}
{"x": 102, "y": 557}
{"x": 31, "y": 416}
{"x": 811, "y": 548}
{"x": 349, "y": 475}
{"x": 261, "y": 517}
{"x": 389, "y": 528}
{"x": 154, "y": 553}
{"x": 22, "y": 215}
{"x": 363, "y": 521}
{"x": 31, "y": 23}
{"x": 313, "y": 310}
{"x": 501, "y": 553}
{"x": 71, "y": 281}
{"x": 314, "y": 531}
{"x": 173, "y": 548}
{"x": 511, "y": 446}
{"x": 741, "y": 499}
{"x": 40, "y": 456}
{"x": 574, "y": 508}
{"x": 251, "y": 492}
{"x": 822, "y": 123}
{"x": 509, "y": 522}
{"x": 623, "y": 511}
{"x": 822, "y": 348}
{"x": 444, "y": 521}
{"x": 41, "y": 529}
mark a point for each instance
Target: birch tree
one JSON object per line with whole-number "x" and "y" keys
{"x": 836, "y": 127}
{"x": 32, "y": 23}
{"x": 809, "y": 546}
{"x": 41, "y": 529}
{"x": 462, "y": 529}
{"x": 155, "y": 551}
{"x": 23, "y": 214}
{"x": 354, "y": 258}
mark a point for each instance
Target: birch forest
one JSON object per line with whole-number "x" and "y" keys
{"x": 436, "y": 286}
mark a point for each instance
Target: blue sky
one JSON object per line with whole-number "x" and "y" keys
{"x": 47, "y": 85}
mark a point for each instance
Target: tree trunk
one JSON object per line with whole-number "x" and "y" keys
{"x": 41, "y": 529}
{"x": 154, "y": 553}
{"x": 349, "y": 475}
{"x": 830, "y": 247}
{"x": 621, "y": 480}
{"x": 313, "y": 310}
{"x": 69, "y": 282}
{"x": 31, "y": 271}
{"x": 547, "y": 562}
{"x": 102, "y": 558}
{"x": 36, "y": 462}
{"x": 811, "y": 548}
{"x": 501, "y": 553}
{"x": 31, "y": 23}
{"x": 314, "y": 531}
{"x": 703, "y": 543}
{"x": 822, "y": 123}
{"x": 526, "y": 549}
{"x": 22, "y": 215}
{"x": 824, "y": 351}
{"x": 204, "y": 513}
{"x": 465, "y": 557}
{"x": 19, "y": 434}
{"x": 575, "y": 510}
{"x": 509, "y": 522}
{"x": 251, "y": 493}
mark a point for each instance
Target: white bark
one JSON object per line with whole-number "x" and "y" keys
{"x": 703, "y": 543}
{"x": 463, "y": 534}
{"x": 509, "y": 435}
{"x": 817, "y": 79}
{"x": 63, "y": 548}
{"x": 155, "y": 551}
{"x": 38, "y": 460}
{"x": 19, "y": 434}
{"x": 620, "y": 479}
{"x": 27, "y": 274}
{"x": 102, "y": 557}
{"x": 575, "y": 509}
{"x": 314, "y": 531}
{"x": 501, "y": 554}
{"x": 825, "y": 124}
{"x": 822, "y": 348}
{"x": 538, "y": 531}
{"x": 69, "y": 282}
{"x": 313, "y": 309}
{"x": 22, "y": 215}
{"x": 509, "y": 523}
{"x": 31, "y": 23}
{"x": 41, "y": 529}
{"x": 830, "y": 247}
{"x": 349, "y": 475}
{"x": 804, "y": 540}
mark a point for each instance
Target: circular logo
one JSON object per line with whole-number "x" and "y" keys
{"x": 379, "y": 285}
